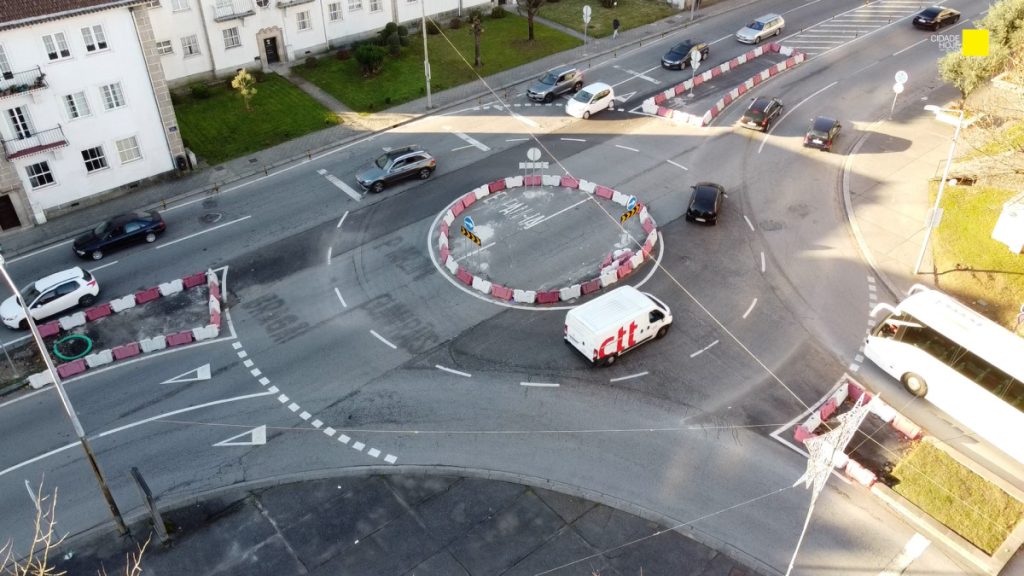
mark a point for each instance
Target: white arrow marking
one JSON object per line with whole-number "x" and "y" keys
{"x": 201, "y": 373}
{"x": 256, "y": 437}
{"x": 623, "y": 98}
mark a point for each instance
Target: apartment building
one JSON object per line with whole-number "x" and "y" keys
{"x": 86, "y": 111}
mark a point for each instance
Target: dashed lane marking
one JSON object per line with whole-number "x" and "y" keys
{"x": 630, "y": 377}
{"x": 748, "y": 223}
{"x": 190, "y": 236}
{"x": 383, "y": 339}
{"x": 762, "y": 261}
{"x": 750, "y": 309}
{"x": 329, "y": 250}
{"x": 677, "y": 165}
{"x": 539, "y": 384}
{"x": 704, "y": 349}
{"x": 911, "y": 551}
{"x": 342, "y": 220}
{"x": 451, "y": 371}
{"x": 626, "y": 148}
{"x": 573, "y": 140}
{"x": 340, "y": 298}
{"x": 462, "y": 147}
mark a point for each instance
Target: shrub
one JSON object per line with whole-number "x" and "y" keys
{"x": 395, "y": 45}
{"x": 403, "y": 40}
{"x": 343, "y": 54}
{"x": 385, "y": 34}
{"x": 199, "y": 90}
{"x": 499, "y": 12}
{"x": 402, "y": 32}
{"x": 311, "y": 62}
{"x": 455, "y": 23}
{"x": 432, "y": 28}
{"x": 370, "y": 58}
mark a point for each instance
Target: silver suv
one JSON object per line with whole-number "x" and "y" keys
{"x": 395, "y": 165}
{"x": 556, "y": 82}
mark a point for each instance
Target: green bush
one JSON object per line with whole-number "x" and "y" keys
{"x": 311, "y": 62}
{"x": 395, "y": 45}
{"x": 370, "y": 58}
{"x": 385, "y": 34}
{"x": 199, "y": 90}
{"x": 499, "y": 12}
{"x": 455, "y": 23}
{"x": 432, "y": 28}
{"x": 403, "y": 40}
{"x": 402, "y": 32}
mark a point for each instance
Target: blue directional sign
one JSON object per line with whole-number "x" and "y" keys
{"x": 467, "y": 222}
{"x": 631, "y": 203}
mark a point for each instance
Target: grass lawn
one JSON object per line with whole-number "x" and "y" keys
{"x": 502, "y": 46}
{"x": 631, "y": 14}
{"x": 989, "y": 271}
{"x": 980, "y": 512}
{"x": 219, "y": 128}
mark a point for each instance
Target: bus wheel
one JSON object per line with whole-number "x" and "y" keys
{"x": 608, "y": 360}
{"x": 914, "y": 384}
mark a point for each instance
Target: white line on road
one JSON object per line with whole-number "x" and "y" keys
{"x": 31, "y": 495}
{"x": 525, "y": 120}
{"x": 641, "y": 75}
{"x": 573, "y": 140}
{"x": 626, "y": 148}
{"x": 190, "y": 236}
{"x": 909, "y": 47}
{"x": 621, "y": 378}
{"x": 340, "y": 298}
{"x": 451, "y": 371}
{"x": 913, "y": 548}
{"x": 748, "y": 223}
{"x": 344, "y": 187}
{"x": 384, "y": 340}
{"x": 516, "y": 139}
{"x": 539, "y": 384}
{"x": 343, "y": 216}
{"x": 462, "y": 147}
{"x": 107, "y": 265}
{"x": 677, "y": 165}
{"x": 531, "y": 225}
{"x": 762, "y": 261}
{"x": 751, "y": 309}
{"x": 469, "y": 139}
{"x": 790, "y": 111}
{"x": 477, "y": 251}
{"x": 704, "y": 349}
{"x": 133, "y": 425}
{"x": 329, "y": 250}
{"x": 40, "y": 251}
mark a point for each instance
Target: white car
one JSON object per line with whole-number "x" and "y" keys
{"x": 51, "y": 295}
{"x": 591, "y": 99}
{"x": 761, "y": 28}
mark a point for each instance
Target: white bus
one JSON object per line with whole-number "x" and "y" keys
{"x": 963, "y": 363}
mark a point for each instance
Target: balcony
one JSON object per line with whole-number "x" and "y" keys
{"x": 14, "y": 83}
{"x": 224, "y": 10}
{"x": 36, "y": 143}
{"x": 289, "y": 3}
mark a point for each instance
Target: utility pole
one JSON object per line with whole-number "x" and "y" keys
{"x": 933, "y": 219}
{"x": 426, "y": 58}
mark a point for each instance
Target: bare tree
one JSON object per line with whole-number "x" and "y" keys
{"x": 476, "y": 25}
{"x": 532, "y": 7}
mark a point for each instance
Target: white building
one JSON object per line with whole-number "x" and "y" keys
{"x": 199, "y": 39}
{"x": 85, "y": 107}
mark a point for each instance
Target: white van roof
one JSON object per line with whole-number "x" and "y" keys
{"x": 608, "y": 310}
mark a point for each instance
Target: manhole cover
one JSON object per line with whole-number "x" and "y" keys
{"x": 211, "y": 217}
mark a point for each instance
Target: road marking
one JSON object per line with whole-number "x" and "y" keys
{"x": 344, "y": 187}
{"x": 107, "y": 265}
{"x": 190, "y": 236}
{"x": 640, "y": 75}
{"x": 704, "y": 349}
{"x": 573, "y": 140}
{"x": 913, "y": 548}
{"x": 909, "y": 47}
{"x": 525, "y": 120}
{"x": 40, "y": 251}
{"x": 790, "y": 111}
{"x": 539, "y": 384}
{"x": 462, "y": 147}
{"x": 329, "y": 250}
{"x": 748, "y": 223}
{"x": 516, "y": 139}
{"x": 762, "y": 261}
{"x": 15, "y": 341}
{"x": 621, "y": 378}
{"x": 194, "y": 375}
{"x": 626, "y": 148}
{"x": 390, "y": 459}
{"x": 478, "y": 250}
{"x": 384, "y": 340}
{"x": 468, "y": 139}
{"x": 256, "y": 437}
{"x": 749, "y": 310}
{"x": 449, "y": 370}
{"x": 340, "y": 298}
{"x": 343, "y": 216}
{"x": 532, "y": 224}
{"x": 677, "y": 165}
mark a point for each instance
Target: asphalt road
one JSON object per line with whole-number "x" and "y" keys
{"x": 341, "y": 320}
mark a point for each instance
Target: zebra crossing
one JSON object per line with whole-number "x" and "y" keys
{"x": 848, "y": 26}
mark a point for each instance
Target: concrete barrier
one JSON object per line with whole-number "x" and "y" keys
{"x": 444, "y": 230}
{"x": 551, "y": 180}
{"x": 457, "y": 208}
{"x": 172, "y": 287}
{"x": 513, "y": 181}
{"x": 906, "y": 427}
{"x": 148, "y": 295}
{"x": 604, "y": 192}
{"x": 885, "y": 412}
{"x": 636, "y": 260}
{"x": 40, "y": 379}
{"x": 205, "y": 332}
{"x": 801, "y": 433}
{"x": 620, "y": 198}
{"x": 623, "y": 270}
{"x": 591, "y": 286}
{"x": 214, "y": 305}
{"x": 451, "y": 265}
{"x": 860, "y": 474}
{"x": 534, "y": 180}
{"x": 123, "y": 303}
{"x": 442, "y": 241}
{"x": 127, "y": 351}
{"x": 215, "y": 291}
{"x": 153, "y": 344}
{"x": 501, "y": 292}
{"x": 569, "y": 293}
{"x": 524, "y": 296}
{"x": 449, "y": 217}
{"x": 97, "y": 312}
{"x": 648, "y": 225}
{"x": 49, "y": 329}
{"x": 193, "y": 280}
{"x": 570, "y": 182}
{"x": 609, "y": 277}
{"x": 464, "y": 276}
{"x": 179, "y": 338}
{"x": 652, "y": 237}
{"x": 481, "y": 285}
{"x": 496, "y": 186}
{"x": 69, "y": 369}
{"x": 99, "y": 358}
{"x": 444, "y": 253}
{"x": 587, "y": 186}
{"x": 72, "y": 321}
{"x": 547, "y": 297}
{"x": 827, "y": 409}
{"x": 481, "y": 192}
{"x": 469, "y": 199}
{"x": 215, "y": 320}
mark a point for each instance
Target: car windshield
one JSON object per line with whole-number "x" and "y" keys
{"x": 755, "y": 25}
{"x": 931, "y": 12}
{"x": 102, "y": 228}
{"x": 549, "y": 79}
{"x": 29, "y": 294}
{"x": 583, "y": 96}
{"x": 382, "y": 162}
{"x": 681, "y": 50}
{"x": 754, "y": 113}
{"x": 814, "y": 133}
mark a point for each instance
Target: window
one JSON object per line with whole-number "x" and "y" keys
{"x": 56, "y": 46}
{"x": 179, "y": 5}
{"x": 94, "y": 159}
{"x": 263, "y": 3}
{"x": 5, "y": 66}
{"x": 302, "y": 19}
{"x": 153, "y": 4}
{"x": 374, "y": 5}
{"x": 21, "y": 126}
{"x": 94, "y": 38}
{"x": 164, "y": 47}
{"x": 354, "y": 5}
{"x": 231, "y": 39}
{"x": 334, "y": 11}
{"x": 190, "y": 45}
{"x": 128, "y": 150}
{"x": 112, "y": 96}
{"x": 77, "y": 105}
{"x": 39, "y": 175}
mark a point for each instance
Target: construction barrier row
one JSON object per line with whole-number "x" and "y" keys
{"x": 653, "y": 105}
{"x": 826, "y": 408}
{"x": 102, "y": 357}
{"x": 615, "y": 268}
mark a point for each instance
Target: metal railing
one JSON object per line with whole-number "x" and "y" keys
{"x": 231, "y": 9}
{"x": 25, "y": 81}
{"x": 38, "y": 142}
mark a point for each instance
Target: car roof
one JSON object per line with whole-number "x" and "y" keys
{"x": 685, "y": 44}
{"x": 709, "y": 185}
{"x": 767, "y": 17}
{"x": 397, "y": 152}
{"x": 596, "y": 87}
{"x": 760, "y": 103}
{"x": 47, "y": 282}
{"x": 823, "y": 123}
{"x": 559, "y": 70}
{"x": 933, "y": 10}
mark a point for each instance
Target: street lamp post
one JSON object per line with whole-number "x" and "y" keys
{"x": 942, "y": 184}
{"x": 79, "y": 431}
{"x": 426, "y": 58}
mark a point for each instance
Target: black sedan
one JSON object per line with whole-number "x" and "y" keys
{"x": 705, "y": 202}
{"x": 679, "y": 56}
{"x": 936, "y": 17}
{"x": 118, "y": 232}
{"x": 823, "y": 133}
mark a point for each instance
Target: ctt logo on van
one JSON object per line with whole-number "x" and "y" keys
{"x": 602, "y": 351}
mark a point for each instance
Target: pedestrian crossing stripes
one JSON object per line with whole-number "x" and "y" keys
{"x": 848, "y": 26}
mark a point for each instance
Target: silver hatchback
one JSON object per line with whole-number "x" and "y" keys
{"x": 761, "y": 28}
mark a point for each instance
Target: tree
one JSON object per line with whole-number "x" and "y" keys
{"x": 532, "y": 7}
{"x": 246, "y": 86}
{"x": 370, "y": 58}
{"x": 476, "y": 25}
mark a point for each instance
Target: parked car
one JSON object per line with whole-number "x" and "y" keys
{"x": 936, "y": 17}
{"x": 761, "y": 113}
{"x": 395, "y": 165}
{"x": 761, "y": 28}
{"x": 822, "y": 133}
{"x": 591, "y": 99}
{"x": 556, "y": 82}
{"x": 679, "y": 56}
{"x": 119, "y": 232}
{"x": 705, "y": 203}
{"x": 50, "y": 296}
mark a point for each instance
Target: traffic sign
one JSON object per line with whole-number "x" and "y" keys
{"x": 897, "y": 88}
{"x": 533, "y": 154}
{"x": 586, "y": 14}
{"x": 901, "y": 77}
{"x": 631, "y": 203}
{"x": 468, "y": 223}
{"x": 695, "y": 58}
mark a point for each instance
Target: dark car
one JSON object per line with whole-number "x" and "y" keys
{"x": 705, "y": 202}
{"x": 118, "y": 232}
{"x": 823, "y": 133}
{"x": 761, "y": 113}
{"x": 395, "y": 165}
{"x": 679, "y": 56}
{"x": 936, "y": 17}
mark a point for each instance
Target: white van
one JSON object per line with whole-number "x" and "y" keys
{"x": 591, "y": 99}
{"x": 615, "y": 323}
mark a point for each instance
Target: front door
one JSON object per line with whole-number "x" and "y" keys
{"x": 8, "y": 215}
{"x": 20, "y": 125}
{"x": 270, "y": 47}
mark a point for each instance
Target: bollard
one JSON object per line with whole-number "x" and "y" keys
{"x": 147, "y": 499}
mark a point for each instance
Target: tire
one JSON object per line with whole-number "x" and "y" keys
{"x": 586, "y": 114}
{"x": 97, "y": 255}
{"x": 608, "y": 361}
{"x": 548, "y": 98}
{"x": 86, "y": 300}
{"x": 23, "y": 325}
{"x": 150, "y": 238}
{"x": 377, "y": 187}
{"x": 577, "y": 87}
{"x": 914, "y": 384}
{"x": 425, "y": 173}
{"x": 661, "y": 332}
{"x": 779, "y": 31}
